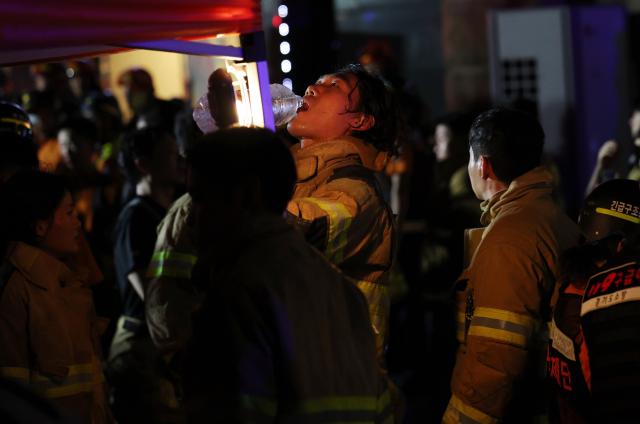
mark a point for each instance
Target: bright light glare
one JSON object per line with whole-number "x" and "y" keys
{"x": 283, "y": 29}
{"x": 285, "y": 65}
{"x": 283, "y": 11}
{"x": 288, "y": 83}
{"x": 285, "y": 47}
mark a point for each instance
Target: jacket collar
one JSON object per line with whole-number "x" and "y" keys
{"x": 40, "y": 268}
{"x": 537, "y": 182}
{"x": 313, "y": 159}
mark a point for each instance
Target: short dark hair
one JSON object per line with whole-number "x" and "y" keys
{"x": 241, "y": 153}
{"x": 28, "y": 196}
{"x": 139, "y": 144}
{"x": 511, "y": 139}
{"x": 378, "y": 100}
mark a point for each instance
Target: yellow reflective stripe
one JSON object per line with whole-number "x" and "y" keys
{"x": 73, "y": 371}
{"x": 459, "y": 412}
{"x": 378, "y": 300}
{"x": 17, "y": 373}
{"x": 617, "y": 214}
{"x": 263, "y": 405}
{"x": 69, "y": 390}
{"x": 504, "y": 315}
{"x": 502, "y": 335}
{"x": 171, "y": 255}
{"x": 502, "y": 325}
{"x": 339, "y": 223}
{"x": 339, "y": 403}
{"x": 166, "y": 263}
{"x": 17, "y": 122}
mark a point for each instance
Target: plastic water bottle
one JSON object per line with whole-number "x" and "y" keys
{"x": 285, "y": 104}
{"x": 202, "y": 115}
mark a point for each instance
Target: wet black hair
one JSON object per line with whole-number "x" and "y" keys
{"x": 28, "y": 197}
{"x": 136, "y": 145}
{"x": 512, "y": 140}
{"x": 244, "y": 153}
{"x": 378, "y": 100}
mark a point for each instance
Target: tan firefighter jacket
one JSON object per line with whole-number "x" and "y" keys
{"x": 338, "y": 205}
{"x": 503, "y": 303}
{"x": 170, "y": 296}
{"x": 50, "y": 335}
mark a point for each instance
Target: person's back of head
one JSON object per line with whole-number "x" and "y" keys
{"x": 235, "y": 158}
{"x": 379, "y": 101}
{"x": 511, "y": 140}
{"x": 17, "y": 147}
{"x": 29, "y": 196}
{"x": 138, "y": 148}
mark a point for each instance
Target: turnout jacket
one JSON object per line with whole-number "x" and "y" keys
{"x": 50, "y": 334}
{"x": 282, "y": 337}
{"x": 503, "y": 304}
{"x": 338, "y": 205}
{"x": 170, "y": 297}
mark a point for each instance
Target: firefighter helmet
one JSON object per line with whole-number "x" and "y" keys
{"x": 13, "y": 119}
{"x": 612, "y": 208}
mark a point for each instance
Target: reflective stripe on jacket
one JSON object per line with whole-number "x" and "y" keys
{"x": 170, "y": 296}
{"x": 293, "y": 341}
{"x": 339, "y": 207}
{"x": 504, "y": 298}
{"x": 49, "y": 334}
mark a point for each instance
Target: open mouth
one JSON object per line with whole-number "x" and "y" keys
{"x": 303, "y": 107}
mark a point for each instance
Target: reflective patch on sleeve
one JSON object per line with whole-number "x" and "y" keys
{"x": 171, "y": 264}
{"x": 459, "y": 412}
{"x": 502, "y": 325}
{"x": 339, "y": 223}
{"x": 561, "y": 342}
{"x": 15, "y": 373}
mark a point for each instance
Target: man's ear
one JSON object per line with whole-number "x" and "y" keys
{"x": 486, "y": 168}
{"x": 362, "y": 122}
{"x": 42, "y": 227}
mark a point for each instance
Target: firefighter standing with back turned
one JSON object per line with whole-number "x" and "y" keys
{"x": 503, "y": 295}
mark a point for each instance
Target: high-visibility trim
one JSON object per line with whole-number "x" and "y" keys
{"x": 339, "y": 403}
{"x": 15, "y": 373}
{"x": 505, "y": 326}
{"x": 17, "y": 122}
{"x": 339, "y": 223}
{"x": 506, "y": 316}
{"x": 501, "y": 335}
{"x": 617, "y": 214}
{"x": 171, "y": 264}
{"x": 260, "y": 404}
{"x": 74, "y": 370}
{"x": 459, "y": 412}
{"x": 69, "y": 390}
{"x": 378, "y": 300}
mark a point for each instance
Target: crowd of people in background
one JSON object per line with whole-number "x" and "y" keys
{"x": 153, "y": 273}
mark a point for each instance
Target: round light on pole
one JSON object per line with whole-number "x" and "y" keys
{"x": 283, "y": 11}
{"x": 283, "y": 29}
{"x": 285, "y": 65}
{"x": 285, "y": 47}
{"x": 288, "y": 83}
